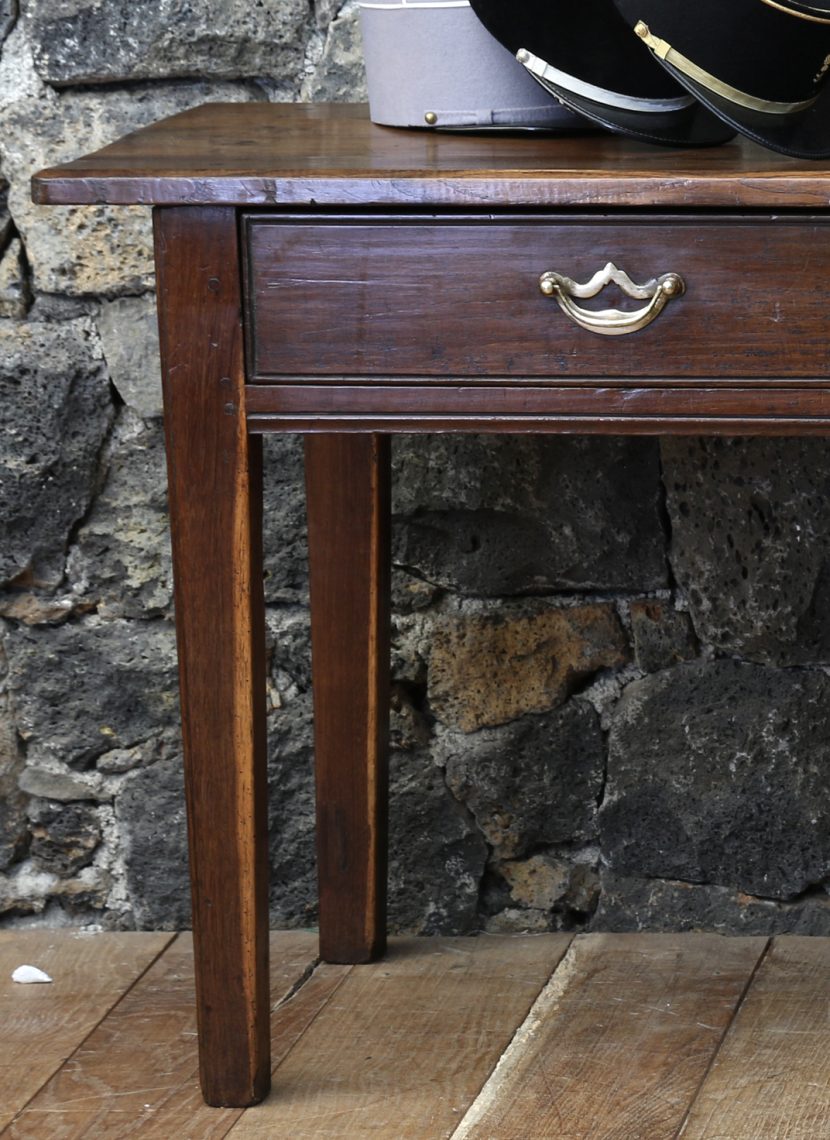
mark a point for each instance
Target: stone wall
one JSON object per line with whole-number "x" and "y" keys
{"x": 610, "y": 656}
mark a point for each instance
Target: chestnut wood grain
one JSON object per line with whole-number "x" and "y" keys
{"x": 771, "y": 1078}
{"x": 214, "y": 474}
{"x": 613, "y": 1048}
{"x": 42, "y": 1024}
{"x": 457, "y": 297}
{"x": 619, "y": 1041}
{"x": 404, "y": 1046}
{"x": 349, "y": 513}
{"x": 136, "y": 1077}
{"x": 264, "y": 154}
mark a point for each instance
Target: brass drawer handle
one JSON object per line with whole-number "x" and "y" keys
{"x": 612, "y": 322}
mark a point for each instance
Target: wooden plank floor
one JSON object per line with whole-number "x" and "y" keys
{"x": 601, "y": 1037}
{"x": 42, "y": 1025}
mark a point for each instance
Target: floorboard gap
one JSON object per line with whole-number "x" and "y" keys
{"x": 306, "y": 976}
{"x": 724, "y": 1035}
{"x": 515, "y": 1052}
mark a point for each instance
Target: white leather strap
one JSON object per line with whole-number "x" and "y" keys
{"x": 543, "y": 71}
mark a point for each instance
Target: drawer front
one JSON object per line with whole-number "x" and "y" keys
{"x": 434, "y": 297}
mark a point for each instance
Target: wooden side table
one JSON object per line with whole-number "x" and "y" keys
{"x": 318, "y": 274}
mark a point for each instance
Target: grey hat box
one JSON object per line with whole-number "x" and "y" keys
{"x": 436, "y": 65}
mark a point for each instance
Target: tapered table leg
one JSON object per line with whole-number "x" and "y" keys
{"x": 347, "y": 482}
{"x": 215, "y": 509}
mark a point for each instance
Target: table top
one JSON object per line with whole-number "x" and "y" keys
{"x": 265, "y": 154}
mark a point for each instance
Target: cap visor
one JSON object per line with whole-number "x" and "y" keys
{"x": 693, "y": 126}
{"x": 803, "y": 135}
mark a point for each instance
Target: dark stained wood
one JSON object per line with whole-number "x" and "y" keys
{"x": 460, "y": 298}
{"x": 785, "y": 409}
{"x": 214, "y": 471}
{"x": 261, "y": 154}
{"x": 515, "y": 400}
{"x": 619, "y": 1041}
{"x": 310, "y": 424}
{"x": 137, "y": 1074}
{"x": 502, "y": 388}
{"x": 348, "y": 497}
{"x": 418, "y": 322}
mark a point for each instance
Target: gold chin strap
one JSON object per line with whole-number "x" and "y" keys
{"x": 798, "y": 15}
{"x": 665, "y": 51}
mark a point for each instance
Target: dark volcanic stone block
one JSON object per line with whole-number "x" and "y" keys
{"x": 85, "y": 688}
{"x": 13, "y": 831}
{"x": 289, "y": 645}
{"x": 64, "y": 836}
{"x": 285, "y": 537}
{"x": 8, "y": 15}
{"x": 151, "y": 812}
{"x": 84, "y": 41}
{"x": 494, "y": 514}
{"x": 293, "y": 891}
{"x": 436, "y": 853}
{"x": 663, "y": 906}
{"x": 662, "y": 636}
{"x": 121, "y": 559}
{"x": 55, "y": 411}
{"x": 719, "y": 773}
{"x": 535, "y": 781}
{"x": 751, "y": 543}
{"x": 529, "y": 514}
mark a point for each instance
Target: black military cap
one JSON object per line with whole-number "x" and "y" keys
{"x": 584, "y": 53}
{"x": 760, "y": 65}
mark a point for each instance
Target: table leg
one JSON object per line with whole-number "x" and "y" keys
{"x": 215, "y": 483}
{"x": 348, "y": 494}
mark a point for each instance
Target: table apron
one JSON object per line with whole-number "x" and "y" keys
{"x": 649, "y": 410}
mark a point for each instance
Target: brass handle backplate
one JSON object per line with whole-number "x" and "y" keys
{"x": 612, "y": 322}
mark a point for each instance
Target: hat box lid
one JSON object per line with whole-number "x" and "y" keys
{"x": 433, "y": 64}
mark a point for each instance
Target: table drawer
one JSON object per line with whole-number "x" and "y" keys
{"x": 438, "y": 297}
